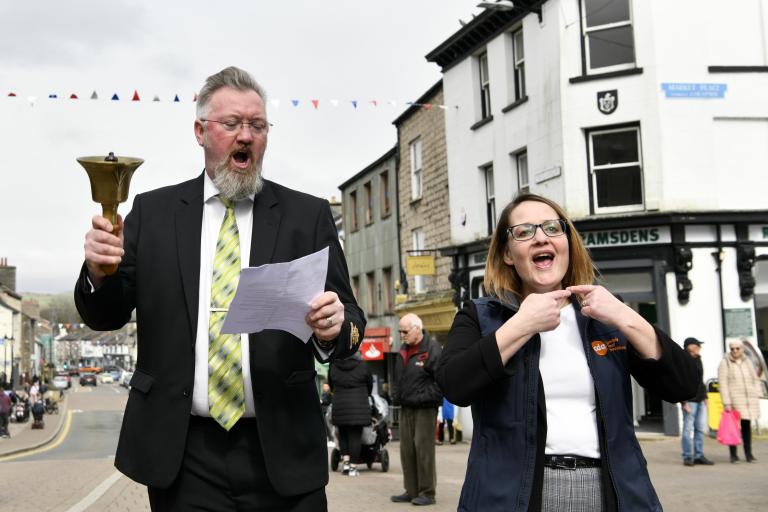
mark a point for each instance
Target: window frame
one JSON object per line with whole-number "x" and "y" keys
{"x": 522, "y": 155}
{"x": 370, "y": 293}
{"x": 592, "y": 168}
{"x": 388, "y": 290}
{"x": 490, "y": 196}
{"x": 585, "y": 34}
{"x": 384, "y": 200}
{"x": 485, "y": 85}
{"x": 353, "y": 221}
{"x": 417, "y": 174}
{"x": 518, "y": 65}
{"x": 368, "y": 197}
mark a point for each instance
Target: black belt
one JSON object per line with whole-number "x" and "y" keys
{"x": 570, "y": 462}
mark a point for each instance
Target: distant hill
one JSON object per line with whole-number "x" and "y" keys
{"x": 59, "y": 308}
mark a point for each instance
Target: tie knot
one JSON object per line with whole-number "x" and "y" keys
{"x": 228, "y": 203}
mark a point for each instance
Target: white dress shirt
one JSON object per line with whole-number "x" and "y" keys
{"x": 213, "y": 216}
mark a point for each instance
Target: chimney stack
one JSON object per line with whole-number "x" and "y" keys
{"x": 7, "y": 274}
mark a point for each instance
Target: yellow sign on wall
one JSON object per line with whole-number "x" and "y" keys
{"x": 420, "y": 265}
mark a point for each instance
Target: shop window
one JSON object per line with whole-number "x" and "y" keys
{"x": 616, "y": 169}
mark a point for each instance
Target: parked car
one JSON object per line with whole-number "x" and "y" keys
{"x": 115, "y": 371}
{"x": 88, "y": 379}
{"x": 65, "y": 374}
{"x": 106, "y": 378}
{"x": 125, "y": 381}
{"x": 61, "y": 382}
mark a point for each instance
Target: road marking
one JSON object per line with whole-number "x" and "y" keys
{"x": 59, "y": 439}
{"x": 95, "y": 494}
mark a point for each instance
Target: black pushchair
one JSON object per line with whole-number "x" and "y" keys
{"x": 375, "y": 437}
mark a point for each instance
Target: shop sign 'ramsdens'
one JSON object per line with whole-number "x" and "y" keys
{"x": 634, "y": 236}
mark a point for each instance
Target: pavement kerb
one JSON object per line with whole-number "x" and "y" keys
{"x": 63, "y": 409}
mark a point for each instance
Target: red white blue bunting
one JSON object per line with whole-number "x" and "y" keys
{"x": 313, "y": 103}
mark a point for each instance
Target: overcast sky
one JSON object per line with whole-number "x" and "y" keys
{"x": 301, "y": 49}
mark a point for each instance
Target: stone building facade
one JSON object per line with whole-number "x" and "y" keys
{"x": 424, "y": 210}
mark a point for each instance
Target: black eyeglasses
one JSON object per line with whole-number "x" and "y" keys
{"x": 258, "y": 127}
{"x": 526, "y": 231}
{"x": 406, "y": 331}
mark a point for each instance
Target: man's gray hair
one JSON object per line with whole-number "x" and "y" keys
{"x": 232, "y": 77}
{"x": 413, "y": 320}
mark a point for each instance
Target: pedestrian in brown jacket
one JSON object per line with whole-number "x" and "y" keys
{"x": 740, "y": 389}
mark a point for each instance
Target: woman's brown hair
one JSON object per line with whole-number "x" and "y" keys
{"x": 500, "y": 277}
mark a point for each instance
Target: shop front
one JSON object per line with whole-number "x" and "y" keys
{"x": 701, "y": 274}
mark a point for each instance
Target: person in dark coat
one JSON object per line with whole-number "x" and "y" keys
{"x": 545, "y": 362}
{"x": 695, "y": 426}
{"x": 351, "y": 383}
{"x": 5, "y": 411}
{"x": 218, "y": 421}
{"x": 325, "y": 401}
{"x": 418, "y": 396}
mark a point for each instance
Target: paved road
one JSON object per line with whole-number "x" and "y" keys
{"x": 78, "y": 475}
{"x": 722, "y": 487}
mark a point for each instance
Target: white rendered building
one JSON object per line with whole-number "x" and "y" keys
{"x": 648, "y": 121}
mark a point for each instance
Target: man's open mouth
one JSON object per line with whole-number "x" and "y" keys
{"x": 241, "y": 159}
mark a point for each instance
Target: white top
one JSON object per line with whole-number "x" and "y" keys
{"x": 213, "y": 216}
{"x": 569, "y": 391}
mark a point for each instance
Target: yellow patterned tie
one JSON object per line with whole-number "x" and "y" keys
{"x": 226, "y": 397}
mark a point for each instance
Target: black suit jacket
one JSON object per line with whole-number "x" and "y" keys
{"x": 159, "y": 278}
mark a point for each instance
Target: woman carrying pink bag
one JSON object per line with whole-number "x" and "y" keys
{"x": 740, "y": 390}
{"x": 729, "y": 430}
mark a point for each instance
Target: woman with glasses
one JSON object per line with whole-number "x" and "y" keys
{"x": 740, "y": 390}
{"x": 545, "y": 362}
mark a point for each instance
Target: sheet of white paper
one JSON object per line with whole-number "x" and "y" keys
{"x": 277, "y": 296}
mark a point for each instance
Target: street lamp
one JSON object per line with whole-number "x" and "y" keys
{"x": 499, "y": 5}
{"x": 508, "y": 5}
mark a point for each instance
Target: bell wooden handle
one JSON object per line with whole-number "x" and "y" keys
{"x": 109, "y": 212}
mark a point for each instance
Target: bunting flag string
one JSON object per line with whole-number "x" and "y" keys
{"x": 313, "y": 103}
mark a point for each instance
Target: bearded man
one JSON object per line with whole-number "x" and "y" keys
{"x": 216, "y": 421}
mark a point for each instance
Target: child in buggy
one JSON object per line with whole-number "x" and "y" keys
{"x": 375, "y": 436}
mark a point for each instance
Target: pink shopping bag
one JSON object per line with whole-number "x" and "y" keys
{"x": 729, "y": 431}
